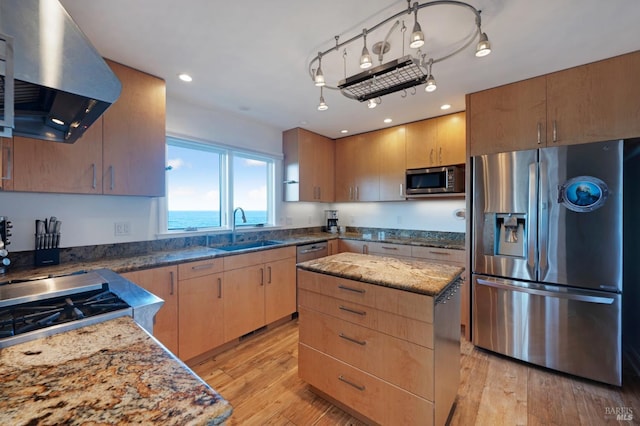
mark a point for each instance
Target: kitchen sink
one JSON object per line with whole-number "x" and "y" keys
{"x": 251, "y": 245}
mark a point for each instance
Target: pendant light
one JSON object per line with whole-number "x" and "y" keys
{"x": 431, "y": 82}
{"x": 417, "y": 36}
{"x": 322, "y": 106}
{"x": 365, "y": 58}
{"x": 319, "y": 77}
{"x": 483, "y": 48}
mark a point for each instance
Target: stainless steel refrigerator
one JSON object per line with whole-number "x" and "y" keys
{"x": 548, "y": 255}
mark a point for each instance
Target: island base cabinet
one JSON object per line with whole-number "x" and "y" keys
{"x": 378, "y": 401}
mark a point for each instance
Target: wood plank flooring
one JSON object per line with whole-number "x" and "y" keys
{"x": 260, "y": 379}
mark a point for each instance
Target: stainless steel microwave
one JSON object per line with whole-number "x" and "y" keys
{"x": 434, "y": 180}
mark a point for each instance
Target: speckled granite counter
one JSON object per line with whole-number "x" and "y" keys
{"x": 415, "y": 276}
{"x": 108, "y": 373}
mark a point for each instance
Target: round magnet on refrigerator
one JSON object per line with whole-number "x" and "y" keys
{"x": 583, "y": 194}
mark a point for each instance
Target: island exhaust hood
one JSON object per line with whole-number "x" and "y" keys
{"x": 60, "y": 85}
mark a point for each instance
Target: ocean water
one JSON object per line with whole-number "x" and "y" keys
{"x": 181, "y": 219}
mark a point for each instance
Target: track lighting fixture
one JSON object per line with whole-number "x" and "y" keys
{"x": 369, "y": 83}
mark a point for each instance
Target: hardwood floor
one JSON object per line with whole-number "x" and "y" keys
{"x": 260, "y": 379}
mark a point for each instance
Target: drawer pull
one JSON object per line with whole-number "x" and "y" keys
{"x": 355, "y": 290}
{"x": 389, "y": 248}
{"x": 353, "y": 311}
{"x": 439, "y": 252}
{"x": 350, "y": 383}
{"x": 351, "y": 339}
{"x": 200, "y": 267}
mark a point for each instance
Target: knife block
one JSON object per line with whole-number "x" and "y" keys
{"x": 47, "y": 257}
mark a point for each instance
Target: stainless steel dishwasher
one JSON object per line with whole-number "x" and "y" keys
{"x": 312, "y": 251}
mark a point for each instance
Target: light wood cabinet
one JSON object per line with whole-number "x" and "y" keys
{"x": 200, "y": 308}
{"x": 357, "y": 168}
{"x": 6, "y": 164}
{"x": 258, "y": 288}
{"x": 588, "y": 103}
{"x": 163, "y": 283}
{"x": 439, "y": 141}
{"x": 308, "y": 166}
{"x": 45, "y": 166}
{"x": 361, "y": 344}
{"x": 392, "y": 162}
{"x": 134, "y": 136}
{"x": 333, "y": 247}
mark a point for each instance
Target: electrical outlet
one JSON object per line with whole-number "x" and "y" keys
{"x": 122, "y": 228}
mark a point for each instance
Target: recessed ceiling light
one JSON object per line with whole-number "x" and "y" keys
{"x": 344, "y": 131}
{"x": 185, "y": 77}
{"x": 445, "y": 106}
{"x": 388, "y": 120}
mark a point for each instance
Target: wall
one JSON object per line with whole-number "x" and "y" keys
{"x": 90, "y": 219}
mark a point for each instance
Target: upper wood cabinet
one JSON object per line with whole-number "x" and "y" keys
{"x": 358, "y": 168}
{"x": 44, "y": 166}
{"x": 308, "y": 166}
{"x": 437, "y": 141}
{"x": 6, "y": 164}
{"x": 134, "y": 136}
{"x": 392, "y": 162}
{"x": 589, "y": 103}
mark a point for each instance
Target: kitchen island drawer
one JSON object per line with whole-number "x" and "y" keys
{"x": 405, "y": 328}
{"x": 438, "y": 254}
{"x": 374, "y": 398}
{"x": 403, "y": 303}
{"x": 370, "y": 351}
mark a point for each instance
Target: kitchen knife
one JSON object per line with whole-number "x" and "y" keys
{"x": 56, "y": 235}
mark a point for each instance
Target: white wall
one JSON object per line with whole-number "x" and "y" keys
{"x": 90, "y": 219}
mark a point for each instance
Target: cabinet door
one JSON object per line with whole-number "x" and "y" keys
{"x": 306, "y": 163}
{"x": 508, "y": 118}
{"x": 243, "y": 300}
{"x": 200, "y": 315}
{"x": 44, "y": 166}
{"x": 346, "y": 152}
{"x": 333, "y": 247}
{"x": 421, "y": 149}
{"x": 162, "y": 282}
{"x": 451, "y": 139}
{"x": 280, "y": 289}
{"x": 134, "y": 136}
{"x": 391, "y": 145}
{"x": 324, "y": 168}
{"x": 6, "y": 164}
{"x": 366, "y": 164}
{"x": 353, "y": 246}
{"x": 594, "y": 102}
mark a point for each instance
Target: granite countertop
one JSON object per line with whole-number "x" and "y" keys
{"x": 409, "y": 275}
{"x": 112, "y": 372}
{"x": 177, "y": 256}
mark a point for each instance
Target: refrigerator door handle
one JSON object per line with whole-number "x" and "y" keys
{"x": 532, "y": 214}
{"x": 544, "y": 221}
{"x": 562, "y": 295}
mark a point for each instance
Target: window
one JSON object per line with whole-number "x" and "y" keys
{"x": 206, "y": 182}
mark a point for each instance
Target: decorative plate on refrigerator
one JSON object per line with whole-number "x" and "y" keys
{"x": 583, "y": 194}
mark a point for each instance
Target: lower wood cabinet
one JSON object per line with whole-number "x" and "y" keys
{"x": 163, "y": 283}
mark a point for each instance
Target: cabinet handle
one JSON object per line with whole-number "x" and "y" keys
{"x": 555, "y": 131}
{"x": 200, "y": 267}
{"x": 219, "y": 288}
{"x": 9, "y": 164}
{"x": 94, "y": 181}
{"x": 389, "y": 248}
{"x": 359, "y": 387}
{"x": 351, "y": 339}
{"x": 401, "y": 191}
{"x": 171, "y": 283}
{"x": 539, "y": 133}
{"x": 357, "y": 194}
{"x": 353, "y": 311}
{"x": 440, "y": 155}
{"x": 112, "y": 174}
{"x": 355, "y": 290}
{"x": 431, "y": 157}
{"x": 350, "y": 193}
{"x": 261, "y": 276}
{"x": 439, "y": 252}
{"x": 269, "y": 274}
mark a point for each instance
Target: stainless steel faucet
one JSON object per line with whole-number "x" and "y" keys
{"x": 233, "y": 223}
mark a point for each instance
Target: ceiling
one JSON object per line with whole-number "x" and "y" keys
{"x": 251, "y": 58}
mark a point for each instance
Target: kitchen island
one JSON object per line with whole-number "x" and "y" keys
{"x": 379, "y": 336}
{"x": 111, "y": 372}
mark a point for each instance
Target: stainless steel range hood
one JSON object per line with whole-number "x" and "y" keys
{"x": 61, "y": 84}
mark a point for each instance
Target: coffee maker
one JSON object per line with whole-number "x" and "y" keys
{"x": 332, "y": 220}
{"x": 5, "y": 233}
